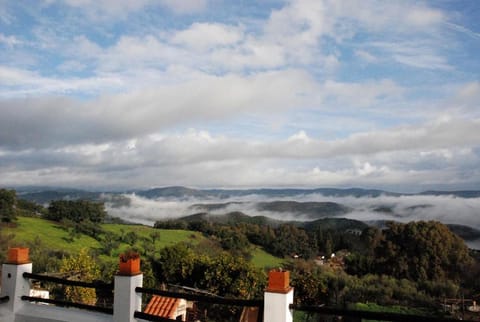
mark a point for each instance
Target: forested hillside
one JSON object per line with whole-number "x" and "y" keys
{"x": 334, "y": 261}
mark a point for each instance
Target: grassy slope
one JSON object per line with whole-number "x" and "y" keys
{"x": 260, "y": 258}
{"x": 167, "y": 237}
{"x": 53, "y": 236}
{"x": 373, "y": 307}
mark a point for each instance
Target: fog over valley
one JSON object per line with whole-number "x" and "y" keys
{"x": 403, "y": 208}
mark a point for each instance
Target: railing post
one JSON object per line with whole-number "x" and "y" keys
{"x": 278, "y": 297}
{"x": 126, "y": 301}
{"x": 14, "y": 285}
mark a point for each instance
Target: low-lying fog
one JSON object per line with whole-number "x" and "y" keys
{"x": 447, "y": 209}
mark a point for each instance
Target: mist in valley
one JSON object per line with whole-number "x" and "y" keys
{"x": 405, "y": 208}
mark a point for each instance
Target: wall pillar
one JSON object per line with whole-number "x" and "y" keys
{"x": 126, "y": 301}
{"x": 14, "y": 285}
{"x": 278, "y": 297}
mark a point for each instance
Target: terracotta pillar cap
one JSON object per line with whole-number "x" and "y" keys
{"x": 129, "y": 264}
{"x": 18, "y": 255}
{"x": 279, "y": 281}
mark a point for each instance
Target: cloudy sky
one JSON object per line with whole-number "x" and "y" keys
{"x": 214, "y": 93}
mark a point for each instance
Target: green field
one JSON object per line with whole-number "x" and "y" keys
{"x": 53, "y": 236}
{"x": 166, "y": 237}
{"x": 50, "y": 233}
{"x": 373, "y": 307}
{"x": 261, "y": 258}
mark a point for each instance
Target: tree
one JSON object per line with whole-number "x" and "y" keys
{"x": 83, "y": 268}
{"x": 76, "y": 210}
{"x": 422, "y": 250}
{"x": 175, "y": 264}
{"x": 311, "y": 285}
{"x": 5, "y": 240}
{"x": 222, "y": 273}
{"x": 29, "y": 208}
{"x": 154, "y": 236}
{"x": 8, "y": 201}
{"x": 130, "y": 238}
{"x": 291, "y": 240}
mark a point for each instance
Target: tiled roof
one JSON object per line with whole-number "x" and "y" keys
{"x": 162, "y": 306}
{"x": 249, "y": 314}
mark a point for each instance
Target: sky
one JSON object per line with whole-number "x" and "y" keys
{"x": 115, "y": 94}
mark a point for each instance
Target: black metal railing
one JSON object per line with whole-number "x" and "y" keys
{"x": 4, "y": 299}
{"x": 97, "y": 285}
{"x": 201, "y": 298}
{"x": 198, "y": 298}
{"x": 376, "y": 316}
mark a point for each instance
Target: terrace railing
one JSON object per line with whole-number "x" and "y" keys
{"x": 197, "y": 298}
{"x": 97, "y": 285}
{"x": 276, "y": 306}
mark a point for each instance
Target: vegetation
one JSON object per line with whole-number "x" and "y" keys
{"x": 76, "y": 211}
{"x": 82, "y": 267}
{"x": 410, "y": 264}
{"x": 8, "y": 201}
{"x": 262, "y": 259}
{"x": 221, "y": 273}
{"x": 405, "y": 265}
{"x": 416, "y": 251}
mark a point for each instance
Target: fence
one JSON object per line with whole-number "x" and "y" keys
{"x": 98, "y": 285}
{"x": 276, "y": 306}
{"x": 196, "y": 298}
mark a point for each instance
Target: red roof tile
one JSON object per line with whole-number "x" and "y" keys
{"x": 162, "y": 306}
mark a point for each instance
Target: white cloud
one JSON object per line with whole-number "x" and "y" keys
{"x": 363, "y": 94}
{"x": 424, "y": 17}
{"x": 9, "y": 41}
{"x": 203, "y": 36}
{"x": 415, "y": 54}
{"x": 120, "y": 9}
{"x": 299, "y": 137}
{"x": 437, "y": 153}
{"x": 185, "y": 6}
{"x": 246, "y": 83}
{"x": 366, "y": 56}
{"x": 468, "y": 96}
{"x": 19, "y": 82}
{"x": 423, "y": 61}
{"x": 447, "y": 209}
{"x": 102, "y": 9}
{"x": 142, "y": 112}
{"x": 464, "y": 30}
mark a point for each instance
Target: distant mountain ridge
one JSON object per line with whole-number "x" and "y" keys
{"x": 237, "y": 217}
{"x": 312, "y": 209}
{"x": 43, "y": 192}
{"x": 260, "y": 205}
{"x": 179, "y": 191}
{"x": 46, "y": 194}
{"x": 285, "y": 192}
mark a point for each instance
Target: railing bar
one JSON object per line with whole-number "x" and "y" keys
{"x": 384, "y": 316}
{"x": 95, "y": 285}
{"x": 4, "y": 299}
{"x": 150, "y": 317}
{"x": 201, "y": 298}
{"x": 106, "y": 310}
{"x": 260, "y": 313}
